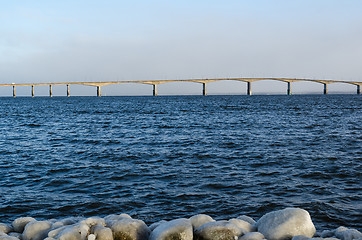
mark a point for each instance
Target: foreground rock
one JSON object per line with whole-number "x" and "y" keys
{"x": 19, "y": 223}
{"x": 102, "y": 233}
{"x": 199, "y": 220}
{"x": 285, "y": 224}
{"x": 219, "y": 230}
{"x": 129, "y": 229}
{"x": 252, "y": 236}
{"x": 36, "y": 230}
{"x": 5, "y": 228}
{"x": 179, "y": 229}
{"x": 347, "y": 234}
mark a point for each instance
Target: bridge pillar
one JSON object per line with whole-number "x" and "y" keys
{"x": 154, "y": 93}
{"x": 248, "y": 92}
{"x": 359, "y": 89}
{"x": 50, "y": 91}
{"x": 204, "y": 90}
{"x": 14, "y": 94}
{"x": 99, "y": 94}
{"x": 32, "y": 90}
{"x": 289, "y": 90}
{"x": 68, "y": 90}
{"x": 325, "y": 91}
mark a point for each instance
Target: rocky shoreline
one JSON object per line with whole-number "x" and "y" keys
{"x": 289, "y": 223}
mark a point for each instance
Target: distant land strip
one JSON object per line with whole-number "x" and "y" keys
{"x": 202, "y": 81}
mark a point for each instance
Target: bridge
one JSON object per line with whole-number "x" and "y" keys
{"x": 155, "y": 83}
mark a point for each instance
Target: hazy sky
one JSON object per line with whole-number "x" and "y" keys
{"x": 85, "y": 40}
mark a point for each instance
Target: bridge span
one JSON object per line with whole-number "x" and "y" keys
{"x": 155, "y": 83}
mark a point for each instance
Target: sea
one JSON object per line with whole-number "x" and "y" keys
{"x": 167, "y": 157}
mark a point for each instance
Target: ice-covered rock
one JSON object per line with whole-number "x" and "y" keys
{"x": 57, "y": 225}
{"x": 156, "y": 224}
{"x": 178, "y": 229}
{"x": 252, "y": 236}
{"x": 247, "y": 219}
{"x": 91, "y": 237}
{"x": 327, "y": 234}
{"x": 219, "y": 230}
{"x": 102, "y": 233}
{"x": 320, "y": 238}
{"x": 300, "y": 237}
{"x": 36, "y": 230}
{"x": 15, "y": 234}
{"x": 5, "y": 228}
{"x": 199, "y": 220}
{"x": 71, "y": 220}
{"x": 19, "y": 223}
{"x": 7, "y": 237}
{"x": 112, "y": 218}
{"x": 77, "y": 231}
{"x": 128, "y": 228}
{"x": 243, "y": 224}
{"x": 55, "y": 231}
{"x": 286, "y": 223}
{"x": 92, "y": 221}
{"x": 347, "y": 234}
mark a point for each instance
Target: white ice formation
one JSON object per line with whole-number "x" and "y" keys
{"x": 286, "y": 224}
{"x": 180, "y": 229}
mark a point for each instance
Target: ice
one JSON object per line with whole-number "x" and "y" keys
{"x": 7, "y": 237}
{"x": 93, "y": 221}
{"x": 71, "y": 220}
{"x": 91, "y": 237}
{"x": 200, "y": 219}
{"x": 300, "y": 237}
{"x": 111, "y": 218}
{"x": 128, "y": 228}
{"x": 178, "y": 229}
{"x": 156, "y": 224}
{"x": 15, "y": 234}
{"x": 247, "y": 219}
{"x": 5, "y": 228}
{"x": 219, "y": 230}
{"x": 247, "y": 227}
{"x": 327, "y": 233}
{"x": 36, "y": 230}
{"x": 19, "y": 223}
{"x": 286, "y": 223}
{"x": 102, "y": 233}
{"x": 55, "y": 231}
{"x": 252, "y": 236}
{"x": 77, "y": 231}
{"x": 289, "y": 223}
{"x": 347, "y": 234}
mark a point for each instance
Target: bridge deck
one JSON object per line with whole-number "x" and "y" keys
{"x": 155, "y": 82}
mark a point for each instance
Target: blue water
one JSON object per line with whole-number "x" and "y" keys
{"x": 168, "y": 157}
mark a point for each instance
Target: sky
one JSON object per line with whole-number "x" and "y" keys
{"x": 87, "y": 40}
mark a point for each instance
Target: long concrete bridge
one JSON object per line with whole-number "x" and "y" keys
{"x": 98, "y": 85}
